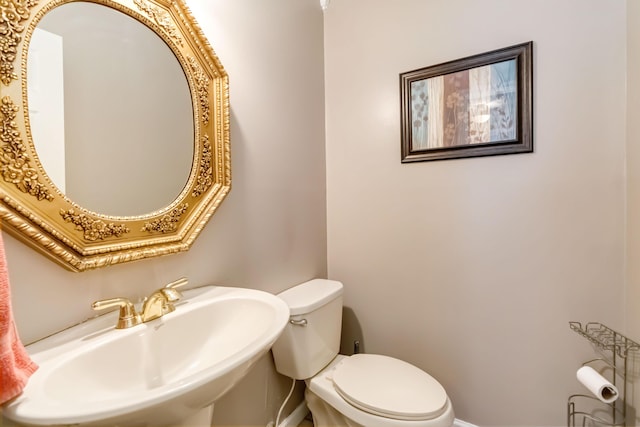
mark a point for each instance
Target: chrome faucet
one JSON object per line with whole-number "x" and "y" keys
{"x": 159, "y": 303}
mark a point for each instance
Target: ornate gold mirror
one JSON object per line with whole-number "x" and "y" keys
{"x": 114, "y": 127}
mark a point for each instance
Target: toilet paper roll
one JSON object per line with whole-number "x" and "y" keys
{"x": 597, "y": 384}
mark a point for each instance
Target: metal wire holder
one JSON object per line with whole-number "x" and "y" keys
{"x": 615, "y": 350}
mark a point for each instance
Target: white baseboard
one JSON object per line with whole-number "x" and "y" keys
{"x": 460, "y": 423}
{"x": 296, "y": 416}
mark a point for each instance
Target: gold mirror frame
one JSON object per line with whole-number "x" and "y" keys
{"x": 32, "y": 208}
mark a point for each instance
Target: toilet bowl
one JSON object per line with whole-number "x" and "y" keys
{"x": 366, "y": 390}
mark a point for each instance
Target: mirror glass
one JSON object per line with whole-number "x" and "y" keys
{"x": 110, "y": 110}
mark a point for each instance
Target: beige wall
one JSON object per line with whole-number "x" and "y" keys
{"x": 472, "y": 268}
{"x": 633, "y": 182}
{"x": 270, "y": 233}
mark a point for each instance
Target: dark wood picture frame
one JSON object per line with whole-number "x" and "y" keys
{"x": 481, "y": 105}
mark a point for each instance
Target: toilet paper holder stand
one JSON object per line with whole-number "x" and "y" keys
{"x": 616, "y": 351}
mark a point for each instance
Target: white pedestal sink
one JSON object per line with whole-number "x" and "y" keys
{"x": 168, "y": 371}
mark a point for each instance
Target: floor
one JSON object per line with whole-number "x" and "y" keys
{"x": 307, "y": 422}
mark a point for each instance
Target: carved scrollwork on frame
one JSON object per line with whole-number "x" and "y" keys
{"x": 202, "y": 86}
{"x": 205, "y": 174}
{"x": 15, "y": 164}
{"x": 93, "y": 229}
{"x": 162, "y": 19}
{"x": 13, "y": 13}
{"x": 168, "y": 222}
{"x": 33, "y": 206}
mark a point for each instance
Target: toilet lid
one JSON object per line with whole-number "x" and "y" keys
{"x": 389, "y": 387}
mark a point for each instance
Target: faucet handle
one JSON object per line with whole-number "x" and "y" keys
{"x": 177, "y": 283}
{"x": 171, "y": 292}
{"x": 128, "y": 316}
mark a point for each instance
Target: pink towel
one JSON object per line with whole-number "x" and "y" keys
{"x": 15, "y": 365}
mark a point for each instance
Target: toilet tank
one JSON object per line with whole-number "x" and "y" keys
{"x": 311, "y": 339}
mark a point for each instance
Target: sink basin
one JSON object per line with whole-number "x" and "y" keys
{"x": 157, "y": 373}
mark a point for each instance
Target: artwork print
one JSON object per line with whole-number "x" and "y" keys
{"x": 470, "y": 111}
{"x": 468, "y": 107}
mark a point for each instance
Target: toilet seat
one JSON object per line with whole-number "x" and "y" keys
{"x": 389, "y": 387}
{"x": 322, "y": 393}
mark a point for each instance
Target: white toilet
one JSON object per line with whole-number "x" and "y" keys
{"x": 361, "y": 390}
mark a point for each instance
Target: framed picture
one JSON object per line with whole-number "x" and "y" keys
{"x": 476, "y": 106}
